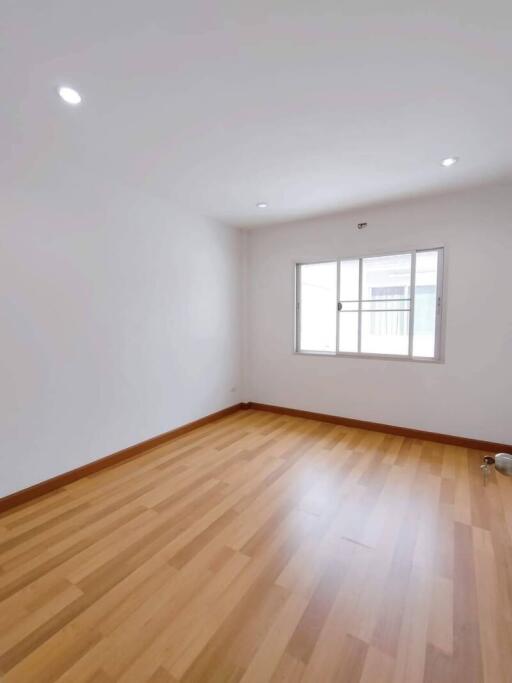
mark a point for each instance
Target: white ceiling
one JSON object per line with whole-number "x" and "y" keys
{"x": 311, "y": 106}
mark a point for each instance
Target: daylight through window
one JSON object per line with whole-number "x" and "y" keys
{"x": 380, "y": 305}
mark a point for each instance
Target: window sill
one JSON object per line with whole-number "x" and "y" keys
{"x": 370, "y": 356}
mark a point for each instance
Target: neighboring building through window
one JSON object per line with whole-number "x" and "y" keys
{"x": 380, "y": 305}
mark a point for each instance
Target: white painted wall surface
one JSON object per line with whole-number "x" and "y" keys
{"x": 470, "y": 393}
{"x": 120, "y": 319}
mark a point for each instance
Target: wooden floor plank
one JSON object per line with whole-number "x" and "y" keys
{"x": 264, "y": 547}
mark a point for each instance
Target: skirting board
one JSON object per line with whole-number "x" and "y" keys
{"x": 465, "y": 442}
{"x": 44, "y": 487}
{"x": 25, "y": 495}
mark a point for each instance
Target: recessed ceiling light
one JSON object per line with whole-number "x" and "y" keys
{"x": 70, "y": 95}
{"x": 262, "y": 205}
{"x": 449, "y": 161}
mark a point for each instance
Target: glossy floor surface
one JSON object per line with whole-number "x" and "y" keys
{"x": 263, "y": 547}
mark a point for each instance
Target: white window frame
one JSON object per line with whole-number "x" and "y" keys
{"x": 438, "y": 351}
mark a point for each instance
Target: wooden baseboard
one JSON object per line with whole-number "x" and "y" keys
{"x": 463, "y": 441}
{"x": 44, "y": 487}
{"x": 25, "y": 495}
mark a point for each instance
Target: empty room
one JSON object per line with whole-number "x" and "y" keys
{"x": 256, "y": 341}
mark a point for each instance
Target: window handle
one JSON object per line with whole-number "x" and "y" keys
{"x": 340, "y": 305}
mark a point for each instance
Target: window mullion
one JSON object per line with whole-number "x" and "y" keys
{"x": 359, "y": 305}
{"x": 338, "y": 265}
{"x": 297, "y": 308}
{"x": 412, "y": 296}
{"x": 439, "y": 303}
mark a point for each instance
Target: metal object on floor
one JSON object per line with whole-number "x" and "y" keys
{"x": 501, "y": 461}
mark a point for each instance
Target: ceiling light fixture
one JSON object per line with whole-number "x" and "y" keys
{"x": 69, "y": 95}
{"x": 449, "y": 161}
{"x": 262, "y": 205}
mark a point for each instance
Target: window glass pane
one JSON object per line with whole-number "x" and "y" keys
{"x": 385, "y": 332}
{"x": 348, "y": 322}
{"x": 349, "y": 296}
{"x": 349, "y": 280}
{"x": 386, "y": 305}
{"x": 318, "y": 307}
{"x": 386, "y": 296}
{"x": 425, "y": 300}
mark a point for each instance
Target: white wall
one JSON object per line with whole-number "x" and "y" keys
{"x": 470, "y": 394}
{"x": 120, "y": 319}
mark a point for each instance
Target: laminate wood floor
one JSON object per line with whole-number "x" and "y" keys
{"x": 264, "y": 547}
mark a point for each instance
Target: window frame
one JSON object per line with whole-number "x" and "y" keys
{"x": 439, "y": 333}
